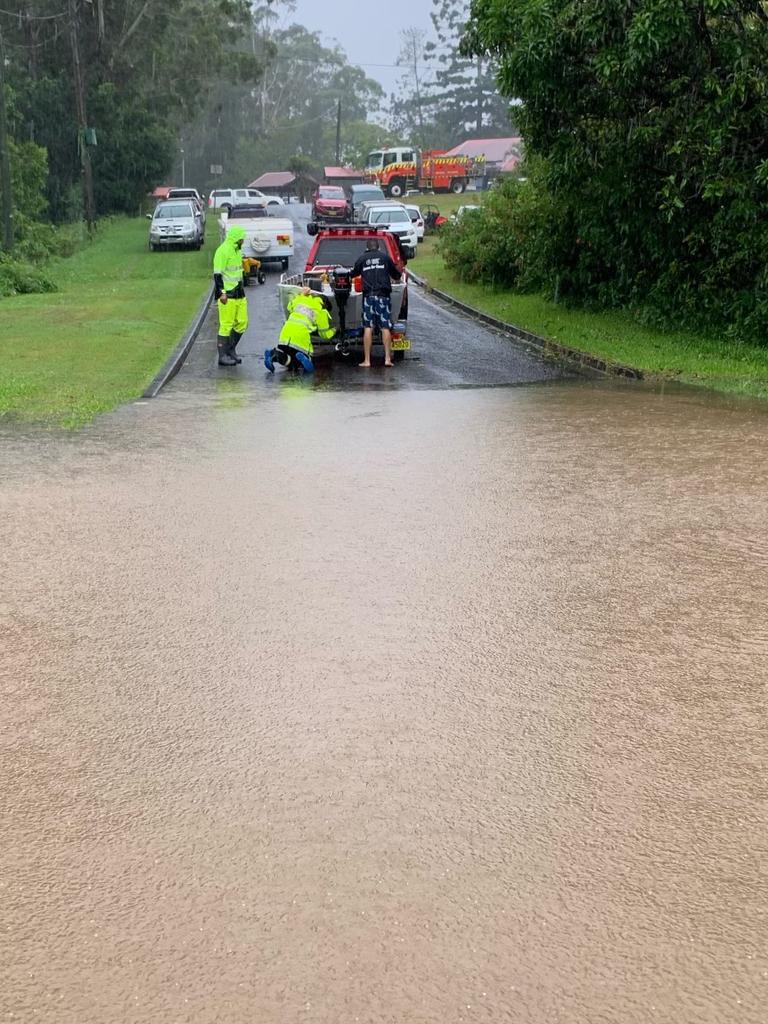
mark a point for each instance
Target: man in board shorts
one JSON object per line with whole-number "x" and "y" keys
{"x": 377, "y": 270}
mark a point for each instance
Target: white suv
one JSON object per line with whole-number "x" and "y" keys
{"x": 395, "y": 218}
{"x": 226, "y": 198}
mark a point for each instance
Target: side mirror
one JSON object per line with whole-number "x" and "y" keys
{"x": 149, "y": 216}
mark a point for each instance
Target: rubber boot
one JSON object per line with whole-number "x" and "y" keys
{"x": 234, "y": 337}
{"x": 303, "y": 359}
{"x": 225, "y": 359}
{"x": 269, "y": 362}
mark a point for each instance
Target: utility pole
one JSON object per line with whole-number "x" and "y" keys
{"x": 89, "y": 207}
{"x": 338, "y": 134}
{"x": 5, "y": 158}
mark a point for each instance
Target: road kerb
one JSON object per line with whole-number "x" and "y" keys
{"x": 176, "y": 359}
{"x": 536, "y": 341}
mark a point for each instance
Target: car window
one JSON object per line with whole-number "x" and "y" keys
{"x": 367, "y": 195}
{"x": 330, "y": 192}
{"x": 390, "y": 158}
{"x": 241, "y": 192}
{"x": 341, "y": 251}
{"x": 407, "y": 155}
{"x": 173, "y": 210}
{"x": 393, "y": 216}
{"x": 221, "y": 192}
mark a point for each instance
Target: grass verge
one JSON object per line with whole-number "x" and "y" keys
{"x": 99, "y": 340}
{"x": 615, "y": 336}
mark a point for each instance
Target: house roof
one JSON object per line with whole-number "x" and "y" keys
{"x": 494, "y": 150}
{"x": 161, "y": 192}
{"x": 510, "y": 164}
{"x": 273, "y": 179}
{"x": 342, "y": 172}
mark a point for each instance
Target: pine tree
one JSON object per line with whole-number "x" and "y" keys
{"x": 465, "y": 97}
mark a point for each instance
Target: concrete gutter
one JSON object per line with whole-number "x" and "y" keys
{"x": 535, "y": 341}
{"x": 176, "y": 359}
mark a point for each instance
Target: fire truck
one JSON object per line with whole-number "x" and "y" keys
{"x": 403, "y": 167}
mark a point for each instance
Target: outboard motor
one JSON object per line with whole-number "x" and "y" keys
{"x": 341, "y": 285}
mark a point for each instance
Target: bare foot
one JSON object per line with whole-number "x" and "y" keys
{"x": 366, "y": 365}
{"x": 389, "y": 364}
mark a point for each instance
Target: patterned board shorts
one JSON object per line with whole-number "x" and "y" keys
{"x": 377, "y": 311}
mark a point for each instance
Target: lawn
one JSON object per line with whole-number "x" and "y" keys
{"x": 100, "y": 339}
{"x": 615, "y": 336}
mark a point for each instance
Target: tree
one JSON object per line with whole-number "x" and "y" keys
{"x": 652, "y": 121}
{"x": 465, "y": 97}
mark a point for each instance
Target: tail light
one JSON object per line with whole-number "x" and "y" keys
{"x": 283, "y": 238}
{"x": 358, "y": 283}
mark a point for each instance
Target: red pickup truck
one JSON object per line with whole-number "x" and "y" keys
{"x": 333, "y": 254}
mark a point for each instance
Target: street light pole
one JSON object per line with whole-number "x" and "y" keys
{"x": 5, "y": 159}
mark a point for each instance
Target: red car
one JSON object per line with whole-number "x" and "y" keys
{"x": 330, "y": 205}
{"x": 334, "y": 252}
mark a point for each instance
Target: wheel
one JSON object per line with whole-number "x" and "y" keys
{"x": 398, "y": 356}
{"x": 153, "y": 247}
{"x": 262, "y": 277}
{"x": 311, "y": 229}
{"x": 284, "y": 264}
{"x": 226, "y": 208}
{"x": 396, "y": 188}
{"x": 457, "y": 186}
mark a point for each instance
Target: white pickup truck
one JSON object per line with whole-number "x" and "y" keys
{"x": 267, "y": 238}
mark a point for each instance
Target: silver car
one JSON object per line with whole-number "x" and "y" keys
{"x": 176, "y": 222}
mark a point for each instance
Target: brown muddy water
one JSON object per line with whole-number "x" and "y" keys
{"x": 420, "y": 707}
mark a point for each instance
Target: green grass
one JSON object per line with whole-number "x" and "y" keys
{"x": 97, "y": 342}
{"x": 615, "y": 336}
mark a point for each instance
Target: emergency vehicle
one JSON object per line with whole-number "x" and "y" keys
{"x": 402, "y": 168}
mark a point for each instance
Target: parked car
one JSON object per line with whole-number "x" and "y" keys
{"x": 334, "y": 252}
{"x": 463, "y": 210}
{"x": 188, "y": 193}
{"x": 414, "y": 212}
{"x": 330, "y": 205}
{"x": 176, "y": 222}
{"x": 392, "y": 216}
{"x": 268, "y": 238}
{"x": 359, "y": 194}
{"x": 226, "y": 198}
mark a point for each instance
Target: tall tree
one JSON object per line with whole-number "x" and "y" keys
{"x": 465, "y": 97}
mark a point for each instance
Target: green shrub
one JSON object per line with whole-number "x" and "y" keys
{"x": 18, "y": 277}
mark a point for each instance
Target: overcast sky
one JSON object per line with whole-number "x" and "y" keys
{"x": 368, "y": 32}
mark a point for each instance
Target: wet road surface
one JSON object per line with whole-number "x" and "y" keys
{"x": 449, "y": 350}
{"x": 385, "y": 704}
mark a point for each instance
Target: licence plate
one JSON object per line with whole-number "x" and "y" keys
{"x": 400, "y": 344}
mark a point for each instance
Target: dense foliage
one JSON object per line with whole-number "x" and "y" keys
{"x": 649, "y": 121}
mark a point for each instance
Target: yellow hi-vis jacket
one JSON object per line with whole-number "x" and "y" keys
{"x": 228, "y": 260}
{"x": 306, "y": 316}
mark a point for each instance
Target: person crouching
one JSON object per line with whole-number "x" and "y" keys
{"x": 308, "y": 314}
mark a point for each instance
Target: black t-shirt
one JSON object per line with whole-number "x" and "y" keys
{"x": 377, "y": 270}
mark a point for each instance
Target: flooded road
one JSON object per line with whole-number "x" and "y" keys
{"x": 386, "y": 704}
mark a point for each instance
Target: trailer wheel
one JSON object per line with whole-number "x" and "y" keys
{"x": 457, "y": 186}
{"x": 396, "y": 188}
{"x": 399, "y": 356}
{"x": 311, "y": 229}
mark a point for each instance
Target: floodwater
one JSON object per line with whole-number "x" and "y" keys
{"x": 399, "y": 706}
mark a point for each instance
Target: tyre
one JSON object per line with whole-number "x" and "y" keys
{"x": 262, "y": 277}
{"x": 311, "y": 229}
{"x": 396, "y": 188}
{"x": 457, "y": 186}
{"x": 153, "y": 247}
{"x": 284, "y": 264}
{"x": 399, "y": 356}
{"x": 226, "y": 208}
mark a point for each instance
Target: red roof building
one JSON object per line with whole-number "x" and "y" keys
{"x": 495, "y": 151}
{"x": 274, "y": 181}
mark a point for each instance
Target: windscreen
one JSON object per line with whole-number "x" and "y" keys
{"x": 368, "y": 195}
{"x": 173, "y": 210}
{"x": 341, "y": 251}
{"x": 331, "y": 193}
{"x": 389, "y": 217}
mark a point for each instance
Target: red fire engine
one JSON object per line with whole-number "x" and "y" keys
{"x": 403, "y": 167}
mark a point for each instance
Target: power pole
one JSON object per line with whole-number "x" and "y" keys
{"x": 338, "y": 134}
{"x": 5, "y": 159}
{"x": 89, "y": 207}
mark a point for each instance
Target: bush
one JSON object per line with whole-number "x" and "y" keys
{"x": 18, "y": 277}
